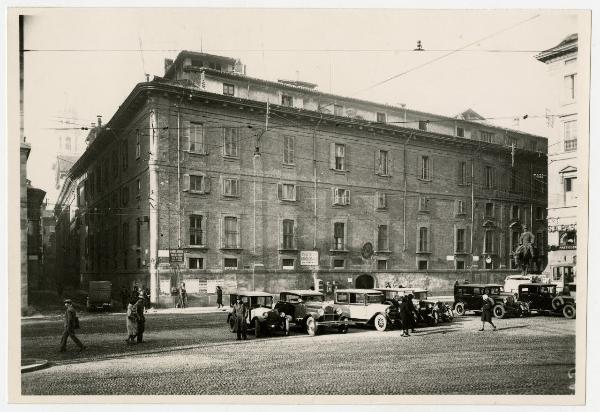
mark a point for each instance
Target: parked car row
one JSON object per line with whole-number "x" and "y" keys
{"x": 308, "y": 310}
{"x": 539, "y": 297}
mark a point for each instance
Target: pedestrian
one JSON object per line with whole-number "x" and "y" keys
{"x": 146, "y": 296}
{"x": 182, "y": 296}
{"x": 124, "y": 297}
{"x": 486, "y": 313}
{"x": 414, "y": 314}
{"x": 405, "y": 316}
{"x": 132, "y": 325}
{"x": 135, "y": 292}
{"x": 219, "y": 297}
{"x": 71, "y": 323}
{"x": 240, "y": 312}
{"x": 140, "y": 319}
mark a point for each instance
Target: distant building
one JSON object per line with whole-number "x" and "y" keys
{"x": 241, "y": 174}
{"x": 49, "y": 279}
{"x": 35, "y": 197}
{"x": 563, "y": 189}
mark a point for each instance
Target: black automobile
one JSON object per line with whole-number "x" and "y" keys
{"x": 429, "y": 311}
{"x": 262, "y": 318}
{"x": 468, "y": 297}
{"x": 309, "y": 310}
{"x": 542, "y": 297}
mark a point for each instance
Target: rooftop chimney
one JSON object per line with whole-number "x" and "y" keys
{"x": 99, "y": 120}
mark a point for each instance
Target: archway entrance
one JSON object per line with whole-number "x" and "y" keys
{"x": 365, "y": 282}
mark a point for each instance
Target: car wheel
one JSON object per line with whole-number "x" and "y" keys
{"x": 256, "y": 328}
{"x": 499, "y": 311}
{"x": 558, "y": 302}
{"x": 343, "y": 328}
{"x": 311, "y": 326}
{"x": 381, "y": 322}
{"x": 459, "y": 309}
{"x": 569, "y": 311}
{"x": 231, "y": 322}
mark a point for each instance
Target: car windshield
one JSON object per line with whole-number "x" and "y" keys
{"x": 313, "y": 298}
{"x": 420, "y": 295}
{"x": 372, "y": 298}
{"x": 495, "y": 290}
{"x": 262, "y": 301}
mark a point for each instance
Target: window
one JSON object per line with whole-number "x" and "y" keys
{"x": 487, "y": 137}
{"x": 230, "y": 187}
{"x": 287, "y": 100}
{"x": 339, "y": 234}
{"x": 196, "y": 263}
{"x": 228, "y": 89}
{"x": 425, "y": 169}
{"x": 230, "y": 142}
{"x": 539, "y": 213}
{"x": 341, "y": 196}
{"x": 288, "y": 150}
{"x": 423, "y": 241}
{"x": 460, "y": 240}
{"x": 570, "y": 134}
{"x": 286, "y": 191}
{"x": 196, "y": 238}
{"x": 570, "y": 86}
{"x": 489, "y": 209}
{"x": 423, "y": 265}
{"x": 230, "y": 263}
{"x": 381, "y": 118}
{"x": 138, "y": 232}
{"x": 381, "y": 200}
{"x": 137, "y": 144}
{"x": 196, "y": 183}
{"x": 514, "y": 212}
{"x": 195, "y": 137}
{"x": 68, "y": 144}
{"x": 460, "y": 132}
{"x": 489, "y": 177}
{"x": 382, "y": 237}
{"x": 125, "y": 195}
{"x": 460, "y": 264}
{"x": 383, "y": 163}
{"x": 138, "y": 192}
{"x": 423, "y": 124}
{"x": 287, "y": 264}
{"x": 231, "y": 234}
{"x": 382, "y": 264}
{"x": 462, "y": 173}
{"x": 567, "y": 239}
{"x": 488, "y": 244}
{"x": 569, "y": 182}
{"x": 338, "y": 156}
{"x": 460, "y": 207}
{"x": 288, "y": 234}
{"x": 339, "y": 263}
{"x": 423, "y": 204}
{"x": 125, "y": 155}
{"x": 338, "y": 109}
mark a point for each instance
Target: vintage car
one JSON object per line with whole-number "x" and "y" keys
{"x": 429, "y": 311}
{"x": 468, "y": 297}
{"x": 367, "y": 307}
{"x": 308, "y": 309}
{"x": 262, "y": 318}
{"x": 542, "y": 297}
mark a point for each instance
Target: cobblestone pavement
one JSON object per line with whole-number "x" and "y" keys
{"x": 196, "y": 355}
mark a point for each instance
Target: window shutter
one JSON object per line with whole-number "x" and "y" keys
{"x": 346, "y": 157}
{"x": 206, "y": 184}
{"x": 295, "y": 234}
{"x": 459, "y": 174}
{"x": 238, "y": 241}
{"x": 376, "y": 160}
{"x": 186, "y": 182}
{"x": 431, "y": 169}
{"x": 279, "y": 191}
{"x": 295, "y": 188}
{"x": 347, "y": 196}
{"x": 332, "y": 155}
{"x": 390, "y": 163}
{"x": 334, "y": 196}
{"x": 222, "y": 231}
{"x": 186, "y": 135}
{"x": 280, "y": 226}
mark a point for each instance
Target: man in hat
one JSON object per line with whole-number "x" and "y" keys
{"x": 71, "y": 323}
{"x": 141, "y": 319}
{"x": 240, "y": 312}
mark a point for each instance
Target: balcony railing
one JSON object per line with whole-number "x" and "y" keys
{"x": 570, "y": 145}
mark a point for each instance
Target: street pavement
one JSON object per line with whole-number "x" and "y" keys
{"x": 195, "y": 354}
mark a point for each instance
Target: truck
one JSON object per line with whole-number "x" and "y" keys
{"x": 99, "y": 295}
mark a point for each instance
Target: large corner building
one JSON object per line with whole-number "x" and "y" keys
{"x": 241, "y": 174}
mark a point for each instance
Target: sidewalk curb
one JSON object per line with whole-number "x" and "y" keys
{"x": 36, "y": 365}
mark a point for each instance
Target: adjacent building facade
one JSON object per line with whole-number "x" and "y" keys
{"x": 237, "y": 175}
{"x": 563, "y": 189}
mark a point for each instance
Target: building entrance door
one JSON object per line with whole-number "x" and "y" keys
{"x": 365, "y": 282}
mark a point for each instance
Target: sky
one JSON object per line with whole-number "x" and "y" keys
{"x": 84, "y": 63}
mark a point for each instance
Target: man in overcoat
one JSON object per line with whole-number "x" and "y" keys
{"x": 141, "y": 319}
{"x": 486, "y": 313}
{"x": 69, "y": 327}
{"x": 240, "y": 312}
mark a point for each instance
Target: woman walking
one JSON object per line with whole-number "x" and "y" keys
{"x": 486, "y": 313}
{"x": 405, "y": 316}
{"x": 219, "y": 297}
{"x": 131, "y": 322}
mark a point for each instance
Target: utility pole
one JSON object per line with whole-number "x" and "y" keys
{"x": 154, "y": 204}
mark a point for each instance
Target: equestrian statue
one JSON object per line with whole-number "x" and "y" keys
{"x": 524, "y": 253}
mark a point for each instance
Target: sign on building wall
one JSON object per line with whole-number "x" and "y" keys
{"x": 192, "y": 285}
{"x": 165, "y": 287}
{"x": 176, "y": 255}
{"x": 309, "y": 258}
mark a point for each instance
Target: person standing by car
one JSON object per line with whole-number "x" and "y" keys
{"x": 406, "y": 316}
{"x": 71, "y": 323}
{"x": 219, "y": 297}
{"x": 414, "y": 314}
{"x": 140, "y": 318}
{"x": 131, "y": 322}
{"x": 486, "y": 313}
{"x": 240, "y": 312}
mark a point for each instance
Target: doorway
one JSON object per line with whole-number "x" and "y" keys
{"x": 365, "y": 282}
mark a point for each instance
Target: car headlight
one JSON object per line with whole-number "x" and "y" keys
{"x": 321, "y": 312}
{"x": 266, "y": 315}
{"x": 339, "y": 311}
{"x": 282, "y": 314}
